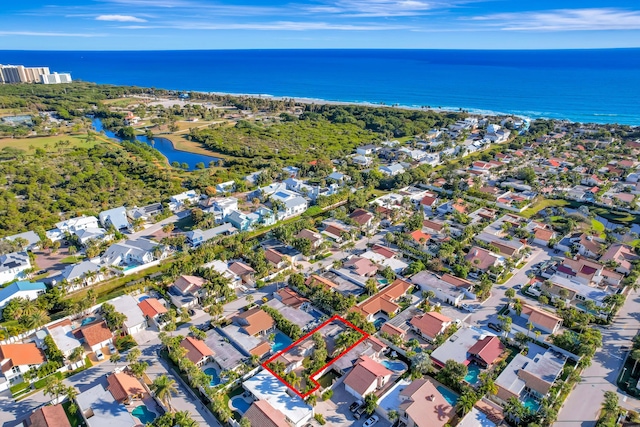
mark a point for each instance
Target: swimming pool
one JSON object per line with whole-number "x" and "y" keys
{"x": 394, "y": 365}
{"x": 143, "y": 414}
{"x": 378, "y": 323}
{"x": 240, "y": 404}
{"x": 280, "y": 342}
{"x": 472, "y": 373}
{"x": 88, "y": 320}
{"x": 143, "y": 297}
{"x": 448, "y": 395}
{"x": 215, "y": 378}
{"x": 531, "y": 404}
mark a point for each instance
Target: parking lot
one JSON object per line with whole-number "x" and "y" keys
{"x": 336, "y": 410}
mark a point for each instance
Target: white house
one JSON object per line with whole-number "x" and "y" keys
{"x": 128, "y": 305}
{"x": 13, "y": 265}
{"x": 31, "y": 238}
{"x": 367, "y": 376}
{"x": 62, "y": 335}
{"x": 72, "y": 225}
{"x": 116, "y": 217}
{"x": 226, "y": 187}
{"x": 26, "y": 290}
{"x": 391, "y": 170}
{"x": 366, "y": 150}
{"x": 178, "y": 201}
{"x": 139, "y": 251}
{"x": 84, "y": 273}
{"x": 96, "y": 335}
{"x": 293, "y": 203}
{"x": 444, "y": 291}
{"x": 16, "y": 359}
{"x": 221, "y": 207}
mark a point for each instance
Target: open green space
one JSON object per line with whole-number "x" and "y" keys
{"x": 47, "y": 143}
{"x": 543, "y": 204}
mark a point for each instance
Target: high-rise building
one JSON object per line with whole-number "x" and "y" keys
{"x": 21, "y": 74}
{"x": 55, "y": 78}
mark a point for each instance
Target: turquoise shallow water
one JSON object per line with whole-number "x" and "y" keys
{"x": 599, "y": 85}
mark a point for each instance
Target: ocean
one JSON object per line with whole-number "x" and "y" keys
{"x": 599, "y": 86}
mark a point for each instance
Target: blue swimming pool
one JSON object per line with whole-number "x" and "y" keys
{"x": 394, "y": 365}
{"x": 472, "y": 373}
{"x": 88, "y": 320}
{"x": 143, "y": 414}
{"x": 448, "y": 395}
{"x": 280, "y": 342}
{"x": 215, "y": 378}
{"x": 143, "y": 297}
{"x": 378, "y": 323}
{"x": 240, "y": 404}
{"x": 531, "y": 404}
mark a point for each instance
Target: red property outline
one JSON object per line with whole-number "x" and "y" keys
{"x": 299, "y": 340}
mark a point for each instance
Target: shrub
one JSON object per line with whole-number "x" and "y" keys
{"x": 327, "y": 394}
{"x": 124, "y": 343}
{"x": 320, "y": 419}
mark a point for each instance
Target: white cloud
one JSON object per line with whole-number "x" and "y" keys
{"x": 49, "y": 34}
{"x": 385, "y": 8}
{"x": 271, "y": 26}
{"x": 594, "y": 19}
{"x": 119, "y": 18}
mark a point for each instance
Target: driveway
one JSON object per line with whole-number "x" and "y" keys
{"x": 336, "y": 410}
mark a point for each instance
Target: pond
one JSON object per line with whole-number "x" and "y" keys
{"x": 164, "y": 146}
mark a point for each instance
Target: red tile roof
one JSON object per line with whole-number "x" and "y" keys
{"x": 49, "y": 416}
{"x": 123, "y": 385}
{"x": 487, "y": 349}
{"x": 365, "y": 372}
{"x": 430, "y": 324}
{"x": 151, "y": 307}
{"x": 385, "y": 252}
{"x": 196, "y": 349}
{"x": 96, "y": 333}
{"x": 20, "y": 354}
{"x": 419, "y": 236}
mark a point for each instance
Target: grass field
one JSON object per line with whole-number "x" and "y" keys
{"x": 543, "y": 204}
{"x": 50, "y": 141}
{"x": 121, "y": 102}
{"x": 180, "y": 142}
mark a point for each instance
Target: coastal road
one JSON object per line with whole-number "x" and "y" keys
{"x": 582, "y": 407}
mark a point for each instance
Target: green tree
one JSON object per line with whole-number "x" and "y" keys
{"x": 164, "y": 387}
{"x": 465, "y": 403}
{"x": 370, "y": 403}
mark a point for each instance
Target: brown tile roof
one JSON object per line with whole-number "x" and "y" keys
{"x": 241, "y": 269}
{"x": 334, "y": 231}
{"x": 456, "y": 281}
{"x": 392, "y": 330}
{"x": 123, "y": 385}
{"x": 261, "y": 414}
{"x": 291, "y": 298}
{"x": 196, "y": 349}
{"x": 365, "y": 372}
{"x": 487, "y": 349}
{"x": 315, "y": 279}
{"x": 308, "y": 234}
{"x": 273, "y": 256}
{"x": 384, "y": 300}
{"x": 480, "y": 258}
{"x": 544, "y": 235}
{"x": 20, "y": 354}
{"x": 361, "y": 216}
{"x": 151, "y": 307}
{"x": 433, "y": 225}
{"x": 261, "y": 349}
{"x": 428, "y": 200}
{"x": 96, "y": 333}
{"x": 541, "y": 317}
{"x": 49, "y": 416}
{"x": 430, "y": 324}
{"x": 381, "y": 250}
{"x": 255, "y": 320}
{"x": 189, "y": 283}
{"x": 419, "y": 236}
{"x": 425, "y": 405}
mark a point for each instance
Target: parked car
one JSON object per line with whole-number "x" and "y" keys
{"x": 112, "y": 348}
{"x": 358, "y": 413}
{"x": 99, "y": 355}
{"x": 518, "y": 286}
{"x": 192, "y": 312}
{"x": 468, "y": 308}
{"x": 495, "y": 327}
{"x": 371, "y": 421}
{"x": 355, "y": 405}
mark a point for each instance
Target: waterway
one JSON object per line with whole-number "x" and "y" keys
{"x": 164, "y": 146}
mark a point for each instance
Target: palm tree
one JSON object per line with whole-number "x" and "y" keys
{"x": 183, "y": 419}
{"x": 133, "y": 355}
{"x": 115, "y": 359}
{"x": 76, "y": 354}
{"x": 164, "y": 387}
{"x": 138, "y": 368}
{"x": 465, "y": 403}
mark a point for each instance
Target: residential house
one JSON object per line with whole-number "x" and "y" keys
{"x": 197, "y": 351}
{"x": 275, "y": 258}
{"x": 429, "y": 325}
{"x": 145, "y": 213}
{"x": 197, "y": 237}
{"x": 482, "y": 260}
{"x": 16, "y": 359}
{"x": 31, "y": 238}
{"x": 338, "y": 177}
{"x": 265, "y": 387}
{"x": 128, "y": 305}
{"x": 133, "y": 252}
{"x": 363, "y": 218}
{"x": 13, "y": 265}
{"x": 314, "y": 237}
{"x": 392, "y": 170}
{"x": 255, "y": 321}
{"x": 541, "y": 319}
{"x": 186, "y": 290}
{"x": 366, "y": 150}
{"x": 569, "y": 290}
{"x": 589, "y": 246}
{"x": 96, "y": 335}
{"x": 420, "y": 238}
{"x": 222, "y": 268}
{"x": 262, "y": 414}
{"x": 423, "y": 405}
{"x": 336, "y": 231}
{"x": 73, "y": 226}
{"x": 429, "y": 203}
{"x": 361, "y": 266}
{"x": 291, "y": 204}
{"x": 179, "y": 201}
{"x": 226, "y": 187}
{"x": 367, "y": 376}
{"x": 126, "y": 388}
{"x": 221, "y": 207}
{"x": 385, "y": 257}
{"x": 62, "y": 334}
{"x": 85, "y": 237}
{"x": 84, "y": 273}
{"x": 116, "y": 218}
{"x": 26, "y": 290}
{"x": 461, "y": 347}
{"x": 152, "y": 309}
{"x": 444, "y": 291}
{"x": 290, "y": 298}
{"x": 361, "y": 160}
{"x": 243, "y": 271}
{"x": 384, "y": 301}
{"x": 544, "y": 236}
{"x": 620, "y": 254}
{"x": 239, "y": 220}
{"x": 295, "y": 315}
{"x": 99, "y": 408}
{"x": 532, "y": 374}
{"x": 48, "y": 416}
{"x": 291, "y": 171}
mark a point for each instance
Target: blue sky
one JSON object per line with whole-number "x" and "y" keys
{"x": 252, "y": 24}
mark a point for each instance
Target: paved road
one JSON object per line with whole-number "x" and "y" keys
{"x": 583, "y": 404}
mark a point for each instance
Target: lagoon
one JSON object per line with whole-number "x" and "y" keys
{"x": 164, "y": 146}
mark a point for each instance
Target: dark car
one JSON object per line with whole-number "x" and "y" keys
{"x": 192, "y": 312}
{"x": 495, "y": 327}
{"x": 354, "y": 406}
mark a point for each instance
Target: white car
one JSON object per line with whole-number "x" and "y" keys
{"x": 468, "y": 308}
{"x": 371, "y": 421}
{"x": 99, "y": 355}
{"x": 112, "y": 348}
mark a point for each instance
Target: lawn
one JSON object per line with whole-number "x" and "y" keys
{"x": 41, "y": 141}
{"x": 598, "y": 227}
{"x": 74, "y": 419}
{"x": 543, "y": 204}
{"x": 72, "y": 259}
